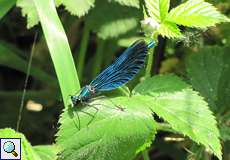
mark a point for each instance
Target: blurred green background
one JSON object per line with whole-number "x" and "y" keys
{"x": 95, "y": 40}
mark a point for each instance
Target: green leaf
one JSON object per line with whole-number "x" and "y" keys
{"x": 5, "y": 6}
{"x": 29, "y": 11}
{"x": 186, "y": 111}
{"x": 118, "y": 20}
{"x": 170, "y": 30}
{"x": 157, "y": 9}
{"x": 196, "y": 13}
{"x": 59, "y": 48}
{"x": 131, "y": 3}
{"x": 47, "y": 152}
{"x": 162, "y": 83}
{"x": 108, "y": 132}
{"x": 77, "y": 7}
{"x": 27, "y": 151}
{"x": 209, "y": 72}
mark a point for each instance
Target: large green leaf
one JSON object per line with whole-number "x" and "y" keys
{"x": 110, "y": 20}
{"x": 186, "y": 111}
{"x": 59, "y": 48}
{"x": 114, "y": 133}
{"x": 167, "y": 96}
{"x": 209, "y": 72}
{"x": 29, "y": 11}
{"x": 27, "y": 151}
{"x": 5, "y": 6}
{"x": 46, "y": 152}
{"x": 77, "y": 7}
{"x": 157, "y": 9}
{"x": 196, "y": 13}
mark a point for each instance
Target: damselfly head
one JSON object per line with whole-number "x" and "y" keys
{"x": 75, "y": 100}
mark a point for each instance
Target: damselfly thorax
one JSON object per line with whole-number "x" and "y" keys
{"x": 85, "y": 94}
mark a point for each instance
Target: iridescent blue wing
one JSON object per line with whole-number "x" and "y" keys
{"x": 123, "y": 69}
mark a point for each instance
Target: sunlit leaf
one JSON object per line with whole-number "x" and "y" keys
{"x": 196, "y": 13}
{"x": 186, "y": 111}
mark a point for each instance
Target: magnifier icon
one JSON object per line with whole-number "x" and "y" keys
{"x": 9, "y": 147}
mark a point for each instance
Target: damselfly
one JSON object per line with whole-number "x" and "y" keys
{"x": 117, "y": 74}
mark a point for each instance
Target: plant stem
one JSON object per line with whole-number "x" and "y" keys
{"x": 97, "y": 60}
{"x": 25, "y": 84}
{"x": 159, "y": 54}
{"x": 83, "y": 48}
{"x": 145, "y": 154}
{"x": 149, "y": 63}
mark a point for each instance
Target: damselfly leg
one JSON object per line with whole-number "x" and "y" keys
{"x": 92, "y": 104}
{"x": 74, "y": 112}
{"x": 118, "y": 107}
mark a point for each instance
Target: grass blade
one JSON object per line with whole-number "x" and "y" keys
{"x": 59, "y": 48}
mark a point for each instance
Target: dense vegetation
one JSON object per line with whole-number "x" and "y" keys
{"x": 176, "y": 108}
